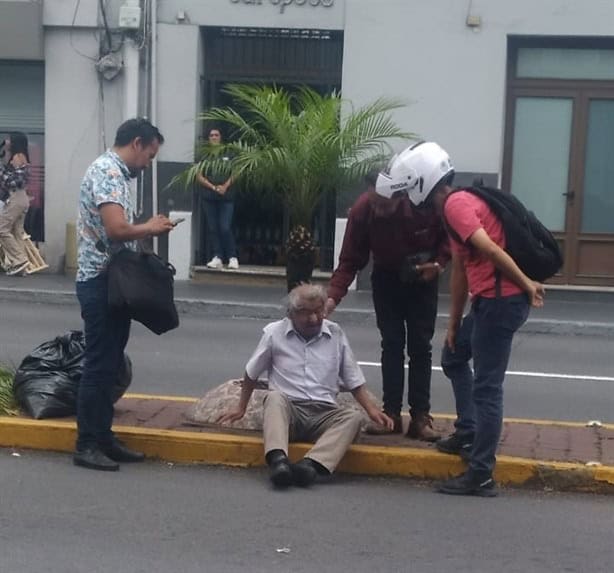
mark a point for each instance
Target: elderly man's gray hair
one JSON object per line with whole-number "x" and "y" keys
{"x": 305, "y": 292}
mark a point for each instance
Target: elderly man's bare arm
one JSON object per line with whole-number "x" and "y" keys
{"x": 247, "y": 388}
{"x": 361, "y": 396}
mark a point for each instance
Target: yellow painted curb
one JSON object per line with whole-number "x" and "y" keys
{"x": 246, "y": 451}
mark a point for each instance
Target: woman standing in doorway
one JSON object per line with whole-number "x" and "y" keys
{"x": 14, "y": 176}
{"x": 219, "y": 207}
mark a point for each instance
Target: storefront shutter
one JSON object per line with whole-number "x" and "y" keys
{"x": 22, "y": 97}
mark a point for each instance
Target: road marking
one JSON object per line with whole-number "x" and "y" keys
{"x": 527, "y": 374}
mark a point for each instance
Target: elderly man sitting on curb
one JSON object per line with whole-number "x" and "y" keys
{"x": 308, "y": 360}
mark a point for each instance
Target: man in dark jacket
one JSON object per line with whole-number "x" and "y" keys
{"x": 409, "y": 249}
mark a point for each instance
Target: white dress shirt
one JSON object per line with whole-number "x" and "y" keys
{"x": 315, "y": 369}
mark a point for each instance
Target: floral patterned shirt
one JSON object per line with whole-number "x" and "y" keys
{"x": 105, "y": 181}
{"x": 14, "y": 178}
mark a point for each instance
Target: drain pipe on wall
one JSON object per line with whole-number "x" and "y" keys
{"x": 131, "y": 93}
{"x": 154, "y": 108}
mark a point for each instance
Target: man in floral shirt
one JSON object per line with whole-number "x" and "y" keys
{"x": 105, "y": 222}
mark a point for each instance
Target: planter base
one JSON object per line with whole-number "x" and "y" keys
{"x": 299, "y": 270}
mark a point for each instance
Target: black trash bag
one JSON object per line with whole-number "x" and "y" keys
{"x": 47, "y": 380}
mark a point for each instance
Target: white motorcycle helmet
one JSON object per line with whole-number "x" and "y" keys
{"x": 416, "y": 170}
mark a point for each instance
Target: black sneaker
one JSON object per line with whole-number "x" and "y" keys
{"x": 466, "y": 484}
{"x": 456, "y": 444}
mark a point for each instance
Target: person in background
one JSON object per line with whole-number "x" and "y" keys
{"x": 308, "y": 360}
{"x": 14, "y": 177}
{"x": 219, "y": 207}
{"x": 409, "y": 249}
{"x": 105, "y": 223}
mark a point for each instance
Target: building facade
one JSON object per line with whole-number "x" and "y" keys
{"x": 520, "y": 93}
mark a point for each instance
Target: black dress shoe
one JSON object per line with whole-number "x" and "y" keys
{"x": 281, "y": 474}
{"x": 94, "y": 459}
{"x": 279, "y": 468}
{"x": 304, "y": 473}
{"x": 119, "y": 452}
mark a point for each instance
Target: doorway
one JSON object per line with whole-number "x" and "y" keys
{"x": 558, "y": 148}
{"x": 286, "y": 58}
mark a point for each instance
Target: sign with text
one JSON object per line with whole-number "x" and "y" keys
{"x": 283, "y": 4}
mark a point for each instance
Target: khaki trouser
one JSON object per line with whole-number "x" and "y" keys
{"x": 12, "y": 218}
{"x": 333, "y": 428}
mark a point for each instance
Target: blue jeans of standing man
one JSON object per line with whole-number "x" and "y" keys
{"x": 219, "y": 224}
{"x": 106, "y": 336}
{"x": 486, "y": 334}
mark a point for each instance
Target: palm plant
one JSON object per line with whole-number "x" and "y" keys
{"x": 8, "y": 404}
{"x": 298, "y": 146}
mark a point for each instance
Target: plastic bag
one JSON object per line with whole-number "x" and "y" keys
{"x": 47, "y": 380}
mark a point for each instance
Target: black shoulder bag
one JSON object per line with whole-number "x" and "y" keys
{"x": 140, "y": 284}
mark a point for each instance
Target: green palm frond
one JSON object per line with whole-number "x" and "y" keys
{"x": 299, "y": 145}
{"x": 8, "y": 404}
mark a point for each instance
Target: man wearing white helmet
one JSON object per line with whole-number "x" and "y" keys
{"x": 409, "y": 248}
{"x": 417, "y": 170}
{"x": 501, "y": 295}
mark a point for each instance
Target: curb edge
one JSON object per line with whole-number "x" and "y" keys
{"x": 269, "y": 311}
{"x": 246, "y": 451}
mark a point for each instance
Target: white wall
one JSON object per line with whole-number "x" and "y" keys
{"x": 65, "y": 13}
{"x": 179, "y": 56}
{"x": 74, "y": 127}
{"x": 452, "y": 76}
{"x": 419, "y": 50}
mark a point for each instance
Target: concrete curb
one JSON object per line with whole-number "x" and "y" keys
{"x": 268, "y": 311}
{"x": 246, "y": 451}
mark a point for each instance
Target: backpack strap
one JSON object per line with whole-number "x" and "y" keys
{"x": 451, "y": 232}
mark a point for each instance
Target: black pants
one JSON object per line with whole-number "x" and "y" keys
{"x": 405, "y": 314}
{"x": 106, "y": 336}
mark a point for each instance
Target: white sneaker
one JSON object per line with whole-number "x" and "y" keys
{"x": 233, "y": 263}
{"x": 215, "y": 263}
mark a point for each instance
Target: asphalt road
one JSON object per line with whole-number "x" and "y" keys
{"x": 552, "y": 376}
{"x": 158, "y": 517}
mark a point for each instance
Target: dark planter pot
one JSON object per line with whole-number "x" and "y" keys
{"x": 299, "y": 269}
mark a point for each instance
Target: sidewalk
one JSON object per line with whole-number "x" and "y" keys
{"x": 539, "y": 454}
{"x": 578, "y": 312}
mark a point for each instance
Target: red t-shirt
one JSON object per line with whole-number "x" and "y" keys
{"x": 466, "y": 213}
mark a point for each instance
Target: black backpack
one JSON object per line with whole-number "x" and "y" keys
{"x": 532, "y": 246}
